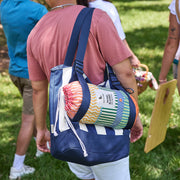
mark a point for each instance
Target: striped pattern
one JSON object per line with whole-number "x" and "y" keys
{"x": 108, "y": 107}
{"x": 108, "y": 115}
{"x": 93, "y": 112}
{"x": 125, "y": 112}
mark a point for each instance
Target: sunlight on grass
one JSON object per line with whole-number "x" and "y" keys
{"x": 7, "y": 124}
{"x": 154, "y": 172}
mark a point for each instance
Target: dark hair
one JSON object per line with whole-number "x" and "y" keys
{"x": 86, "y": 2}
{"x": 83, "y": 2}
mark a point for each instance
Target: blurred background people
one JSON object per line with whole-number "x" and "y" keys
{"x": 172, "y": 42}
{"x": 111, "y": 10}
{"x": 175, "y": 63}
{"x": 18, "y": 17}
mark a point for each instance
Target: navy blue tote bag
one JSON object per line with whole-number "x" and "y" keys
{"x": 73, "y": 141}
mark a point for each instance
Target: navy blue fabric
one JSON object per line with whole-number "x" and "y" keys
{"x": 78, "y": 67}
{"x": 65, "y": 146}
{"x": 100, "y": 148}
{"x": 55, "y": 84}
{"x": 74, "y": 37}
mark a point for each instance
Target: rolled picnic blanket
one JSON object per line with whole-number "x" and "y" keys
{"x": 108, "y": 107}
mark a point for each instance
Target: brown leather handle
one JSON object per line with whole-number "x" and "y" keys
{"x": 146, "y": 68}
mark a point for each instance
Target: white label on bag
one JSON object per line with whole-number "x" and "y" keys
{"x": 100, "y": 130}
{"x": 83, "y": 127}
{"x": 118, "y": 132}
{"x": 105, "y": 98}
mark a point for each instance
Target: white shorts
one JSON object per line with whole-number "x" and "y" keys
{"x": 117, "y": 170}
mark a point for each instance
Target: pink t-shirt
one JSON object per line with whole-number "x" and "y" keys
{"x": 48, "y": 41}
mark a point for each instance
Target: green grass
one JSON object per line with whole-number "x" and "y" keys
{"x": 146, "y": 26}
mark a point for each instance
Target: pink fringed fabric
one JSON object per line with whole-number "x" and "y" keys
{"x": 73, "y": 98}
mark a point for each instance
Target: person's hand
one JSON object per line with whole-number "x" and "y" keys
{"x": 162, "y": 81}
{"x": 134, "y": 61}
{"x": 43, "y": 140}
{"x": 136, "y": 130}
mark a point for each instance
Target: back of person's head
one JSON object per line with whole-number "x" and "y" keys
{"x": 83, "y": 2}
{"x": 86, "y": 2}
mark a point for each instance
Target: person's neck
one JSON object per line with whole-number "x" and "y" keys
{"x": 63, "y": 3}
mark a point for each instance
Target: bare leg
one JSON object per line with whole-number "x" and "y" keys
{"x": 25, "y": 134}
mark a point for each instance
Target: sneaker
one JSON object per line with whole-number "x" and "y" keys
{"x": 39, "y": 153}
{"x": 14, "y": 173}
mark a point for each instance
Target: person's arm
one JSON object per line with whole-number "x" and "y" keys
{"x": 170, "y": 48}
{"x": 117, "y": 22}
{"x": 133, "y": 59}
{"x": 116, "y": 54}
{"x": 40, "y": 103}
{"x": 125, "y": 75}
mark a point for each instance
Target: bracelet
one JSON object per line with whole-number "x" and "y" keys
{"x": 162, "y": 80}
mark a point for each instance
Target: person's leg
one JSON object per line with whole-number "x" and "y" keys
{"x": 28, "y": 120}
{"x": 26, "y": 130}
{"x": 25, "y": 134}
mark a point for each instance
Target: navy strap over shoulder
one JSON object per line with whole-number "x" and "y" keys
{"x": 75, "y": 36}
{"x": 77, "y": 73}
{"x": 78, "y": 67}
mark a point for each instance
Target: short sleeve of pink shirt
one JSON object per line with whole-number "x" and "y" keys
{"x": 35, "y": 69}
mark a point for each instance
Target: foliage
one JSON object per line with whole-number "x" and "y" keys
{"x": 146, "y": 26}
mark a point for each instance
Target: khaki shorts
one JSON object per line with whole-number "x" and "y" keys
{"x": 25, "y": 88}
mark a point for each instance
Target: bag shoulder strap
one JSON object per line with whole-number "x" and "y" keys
{"x": 115, "y": 84}
{"x": 75, "y": 36}
{"x": 78, "y": 66}
{"x": 83, "y": 39}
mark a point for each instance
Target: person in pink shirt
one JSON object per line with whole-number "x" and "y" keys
{"x": 46, "y": 47}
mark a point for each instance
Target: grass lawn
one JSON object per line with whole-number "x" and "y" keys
{"x": 146, "y": 26}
